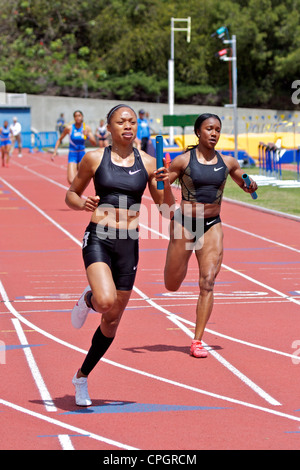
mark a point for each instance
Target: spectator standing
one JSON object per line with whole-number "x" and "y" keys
{"x": 60, "y": 124}
{"x": 15, "y": 130}
{"x": 143, "y": 132}
{"x": 102, "y": 134}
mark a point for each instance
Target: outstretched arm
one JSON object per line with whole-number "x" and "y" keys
{"x": 59, "y": 141}
{"x": 236, "y": 174}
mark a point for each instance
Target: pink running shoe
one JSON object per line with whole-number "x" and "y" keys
{"x": 197, "y": 350}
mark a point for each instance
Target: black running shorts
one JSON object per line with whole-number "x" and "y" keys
{"x": 118, "y": 248}
{"x": 196, "y": 226}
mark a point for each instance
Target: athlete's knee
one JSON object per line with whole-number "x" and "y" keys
{"x": 207, "y": 283}
{"x": 102, "y": 301}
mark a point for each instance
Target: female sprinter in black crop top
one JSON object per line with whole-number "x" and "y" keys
{"x": 110, "y": 242}
{"x": 196, "y": 225}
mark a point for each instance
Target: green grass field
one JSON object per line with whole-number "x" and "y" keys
{"x": 285, "y": 200}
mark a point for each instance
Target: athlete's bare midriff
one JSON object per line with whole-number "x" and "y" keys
{"x": 116, "y": 218}
{"x": 196, "y": 209}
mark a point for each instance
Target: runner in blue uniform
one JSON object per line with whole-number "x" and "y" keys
{"x": 196, "y": 225}
{"x": 143, "y": 133}
{"x": 5, "y": 143}
{"x": 110, "y": 243}
{"x": 78, "y": 133}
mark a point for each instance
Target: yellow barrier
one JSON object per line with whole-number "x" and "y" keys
{"x": 247, "y": 142}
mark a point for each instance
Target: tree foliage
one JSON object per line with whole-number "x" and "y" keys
{"x": 120, "y": 49}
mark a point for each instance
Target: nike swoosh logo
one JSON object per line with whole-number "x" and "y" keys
{"x": 211, "y": 222}
{"x": 134, "y": 172}
{"x": 217, "y": 169}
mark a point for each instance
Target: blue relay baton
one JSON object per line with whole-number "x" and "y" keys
{"x": 248, "y": 182}
{"x": 159, "y": 157}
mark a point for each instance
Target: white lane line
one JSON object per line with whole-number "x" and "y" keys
{"x": 236, "y": 340}
{"x": 40, "y": 211}
{"x": 246, "y": 232}
{"x": 177, "y": 321}
{"x": 230, "y": 367}
{"x": 37, "y": 376}
{"x": 40, "y": 175}
{"x": 258, "y": 390}
{"x": 7, "y": 302}
{"x": 61, "y": 424}
{"x": 50, "y": 180}
{"x": 265, "y": 286}
{"x": 251, "y": 279}
{"x": 143, "y": 373}
{"x": 218, "y": 357}
{"x": 16, "y": 314}
{"x": 261, "y": 237}
{"x": 65, "y": 442}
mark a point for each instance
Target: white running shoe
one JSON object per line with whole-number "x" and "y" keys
{"x": 80, "y": 310}
{"x": 82, "y": 397}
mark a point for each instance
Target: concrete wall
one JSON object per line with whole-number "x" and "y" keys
{"x": 45, "y": 111}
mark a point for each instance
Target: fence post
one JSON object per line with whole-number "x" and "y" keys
{"x": 278, "y": 163}
{"x": 260, "y": 156}
{"x": 265, "y": 160}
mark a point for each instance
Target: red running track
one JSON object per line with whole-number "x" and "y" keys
{"x": 147, "y": 392}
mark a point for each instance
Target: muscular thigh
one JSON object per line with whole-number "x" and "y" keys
{"x": 210, "y": 255}
{"x": 178, "y": 254}
{"x": 100, "y": 278}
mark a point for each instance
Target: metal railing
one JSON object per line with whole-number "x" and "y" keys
{"x": 269, "y": 160}
{"x": 39, "y": 140}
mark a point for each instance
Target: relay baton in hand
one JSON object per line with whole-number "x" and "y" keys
{"x": 159, "y": 157}
{"x": 248, "y": 182}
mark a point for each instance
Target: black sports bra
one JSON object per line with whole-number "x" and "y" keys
{"x": 203, "y": 183}
{"x": 120, "y": 186}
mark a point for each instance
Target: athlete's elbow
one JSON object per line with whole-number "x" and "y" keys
{"x": 68, "y": 201}
{"x": 71, "y": 201}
